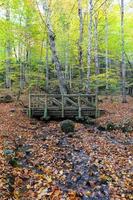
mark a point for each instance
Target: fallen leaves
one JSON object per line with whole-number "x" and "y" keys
{"x": 46, "y": 159}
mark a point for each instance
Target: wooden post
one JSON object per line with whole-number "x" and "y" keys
{"x": 92, "y": 100}
{"x": 62, "y": 106}
{"x": 96, "y": 105}
{"x": 29, "y": 111}
{"x": 46, "y": 107}
{"x": 79, "y": 107}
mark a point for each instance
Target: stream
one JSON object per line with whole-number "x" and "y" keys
{"x": 79, "y": 174}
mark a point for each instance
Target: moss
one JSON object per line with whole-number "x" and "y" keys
{"x": 67, "y": 126}
{"x": 126, "y": 125}
{"x": 110, "y": 126}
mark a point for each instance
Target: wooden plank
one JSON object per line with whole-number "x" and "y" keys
{"x": 71, "y": 101}
{"x": 79, "y": 107}
{"x": 59, "y": 114}
{"x": 62, "y": 106}
{"x": 65, "y": 95}
{"x": 46, "y": 107}
{"x": 30, "y": 112}
{"x": 57, "y": 102}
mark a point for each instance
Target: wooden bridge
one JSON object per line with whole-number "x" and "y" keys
{"x": 62, "y": 106}
{"x": 130, "y": 91}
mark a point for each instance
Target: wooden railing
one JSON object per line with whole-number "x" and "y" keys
{"x": 62, "y": 103}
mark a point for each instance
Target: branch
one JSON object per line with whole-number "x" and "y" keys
{"x": 128, "y": 59}
{"x": 100, "y": 6}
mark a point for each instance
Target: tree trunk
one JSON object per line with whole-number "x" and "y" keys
{"x": 47, "y": 65}
{"x": 22, "y": 75}
{"x": 89, "y": 45}
{"x": 123, "y": 67}
{"x": 51, "y": 34}
{"x": 80, "y": 41}
{"x": 96, "y": 51}
{"x": 106, "y": 53}
{"x": 66, "y": 64}
{"x": 8, "y": 54}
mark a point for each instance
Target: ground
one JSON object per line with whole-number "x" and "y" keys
{"x": 38, "y": 161}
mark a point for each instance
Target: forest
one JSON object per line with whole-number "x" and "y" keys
{"x": 66, "y": 99}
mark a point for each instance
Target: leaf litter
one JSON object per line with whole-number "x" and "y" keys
{"x": 38, "y": 161}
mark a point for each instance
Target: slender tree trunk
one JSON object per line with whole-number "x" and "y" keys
{"x": 96, "y": 51}
{"x": 26, "y": 65}
{"x": 21, "y": 56}
{"x": 106, "y": 53}
{"x": 22, "y": 76}
{"x": 47, "y": 64}
{"x": 80, "y": 13}
{"x": 89, "y": 45}
{"x": 123, "y": 67}
{"x": 27, "y": 50}
{"x": 66, "y": 64}
{"x": 8, "y": 54}
{"x": 70, "y": 77}
{"x": 51, "y": 34}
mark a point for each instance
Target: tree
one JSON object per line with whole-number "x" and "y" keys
{"x": 51, "y": 34}
{"x": 96, "y": 49}
{"x": 106, "y": 52}
{"x": 8, "y": 51}
{"x": 123, "y": 67}
{"x": 89, "y": 45}
{"x": 80, "y": 13}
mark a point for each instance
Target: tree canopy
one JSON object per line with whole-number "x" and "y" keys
{"x": 27, "y": 59}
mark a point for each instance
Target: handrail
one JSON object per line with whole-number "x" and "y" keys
{"x": 64, "y": 99}
{"x": 65, "y": 95}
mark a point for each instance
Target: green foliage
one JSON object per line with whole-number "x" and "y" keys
{"x": 26, "y": 32}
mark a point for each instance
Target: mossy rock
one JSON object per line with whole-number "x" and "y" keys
{"x": 110, "y": 126}
{"x": 101, "y": 128}
{"x": 14, "y": 162}
{"x": 126, "y": 125}
{"x": 6, "y": 99}
{"x": 67, "y": 126}
{"x": 90, "y": 121}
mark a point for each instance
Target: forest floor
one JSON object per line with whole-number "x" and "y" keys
{"x": 38, "y": 161}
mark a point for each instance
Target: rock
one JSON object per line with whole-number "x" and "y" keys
{"x": 101, "y": 128}
{"x": 90, "y": 121}
{"x": 13, "y": 110}
{"x": 70, "y": 134}
{"x": 6, "y": 99}
{"x": 67, "y": 126}
{"x": 8, "y": 152}
{"x": 126, "y": 125}
{"x": 10, "y": 180}
{"x": 110, "y": 126}
{"x": 14, "y": 162}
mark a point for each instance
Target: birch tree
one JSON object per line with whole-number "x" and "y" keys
{"x": 51, "y": 34}
{"x": 123, "y": 67}
{"x": 106, "y": 51}
{"x": 47, "y": 64}
{"x": 89, "y": 45}
{"x": 8, "y": 51}
{"x": 96, "y": 50}
{"x": 80, "y": 13}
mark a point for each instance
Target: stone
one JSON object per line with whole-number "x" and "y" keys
{"x": 8, "y": 152}
{"x": 67, "y": 126}
{"x": 6, "y": 99}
